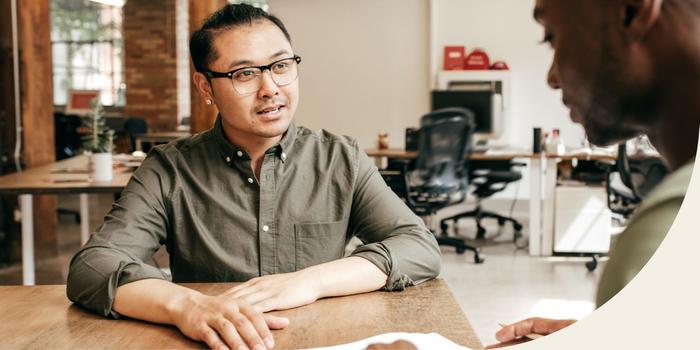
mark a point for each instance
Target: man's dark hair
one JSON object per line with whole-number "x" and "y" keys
{"x": 230, "y": 16}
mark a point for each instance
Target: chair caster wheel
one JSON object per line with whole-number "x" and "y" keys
{"x": 517, "y": 227}
{"x": 480, "y": 233}
{"x": 478, "y": 259}
{"x": 460, "y": 250}
{"x": 443, "y": 229}
{"x": 501, "y": 222}
{"x": 592, "y": 265}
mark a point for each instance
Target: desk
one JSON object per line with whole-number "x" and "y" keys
{"x": 42, "y": 317}
{"x": 543, "y": 181}
{"x": 161, "y": 136}
{"x": 69, "y": 176}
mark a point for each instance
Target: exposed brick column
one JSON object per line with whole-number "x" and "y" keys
{"x": 150, "y": 61}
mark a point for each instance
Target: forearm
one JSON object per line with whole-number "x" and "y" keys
{"x": 347, "y": 276}
{"x": 152, "y": 300}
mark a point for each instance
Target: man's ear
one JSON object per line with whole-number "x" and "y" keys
{"x": 639, "y": 16}
{"x": 203, "y": 85}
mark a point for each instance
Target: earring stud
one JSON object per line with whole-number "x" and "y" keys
{"x": 208, "y": 101}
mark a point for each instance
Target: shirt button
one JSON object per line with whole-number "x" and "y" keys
{"x": 228, "y": 159}
{"x": 266, "y": 228}
{"x": 250, "y": 180}
{"x": 239, "y": 153}
{"x": 284, "y": 156}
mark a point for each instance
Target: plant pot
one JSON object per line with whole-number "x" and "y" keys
{"x": 101, "y": 167}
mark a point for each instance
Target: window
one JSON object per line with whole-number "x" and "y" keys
{"x": 88, "y": 50}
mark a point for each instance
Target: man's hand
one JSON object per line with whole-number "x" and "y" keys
{"x": 224, "y": 322}
{"x": 279, "y": 292}
{"x": 512, "y": 334}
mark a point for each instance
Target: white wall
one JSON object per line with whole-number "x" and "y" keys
{"x": 507, "y": 31}
{"x": 365, "y": 64}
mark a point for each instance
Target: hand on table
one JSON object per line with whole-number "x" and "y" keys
{"x": 397, "y": 345}
{"x": 279, "y": 292}
{"x": 224, "y": 322}
{"x": 516, "y": 332}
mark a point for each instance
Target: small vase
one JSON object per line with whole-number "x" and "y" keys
{"x": 101, "y": 167}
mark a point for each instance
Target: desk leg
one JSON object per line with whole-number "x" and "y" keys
{"x": 84, "y": 219}
{"x": 535, "y": 206}
{"x": 26, "y": 205}
{"x": 550, "y": 186}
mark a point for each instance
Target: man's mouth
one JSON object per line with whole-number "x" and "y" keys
{"x": 270, "y": 111}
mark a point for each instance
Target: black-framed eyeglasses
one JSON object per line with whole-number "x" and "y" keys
{"x": 248, "y": 80}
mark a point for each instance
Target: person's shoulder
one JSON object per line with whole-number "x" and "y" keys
{"x": 322, "y": 136}
{"x": 671, "y": 190}
{"x": 184, "y": 145}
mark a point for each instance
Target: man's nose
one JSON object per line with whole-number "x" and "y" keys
{"x": 268, "y": 87}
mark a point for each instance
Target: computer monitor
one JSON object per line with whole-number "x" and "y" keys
{"x": 479, "y": 102}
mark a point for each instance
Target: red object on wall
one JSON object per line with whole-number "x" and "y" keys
{"x": 499, "y": 65}
{"x": 477, "y": 59}
{"x": 454, "y": 57}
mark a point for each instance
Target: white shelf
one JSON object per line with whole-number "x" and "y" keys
{"x": 474, "y": 75}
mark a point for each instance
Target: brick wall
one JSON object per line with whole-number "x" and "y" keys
{"x": 150, "y": 61}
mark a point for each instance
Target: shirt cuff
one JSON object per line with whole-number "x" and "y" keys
{"x": 377, "y": 254}
{"x": 98, "y": 295}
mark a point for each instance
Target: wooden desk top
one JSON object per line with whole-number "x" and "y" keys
{"x": 66, "y": 176}
{"x": 496, "y": 154}
{"x": 42, "y": 317}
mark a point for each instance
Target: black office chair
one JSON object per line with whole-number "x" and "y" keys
{"x": 67, "y": 145}
{"x": 134, "y": 126}
{"x": 638, "y": 176}
{"x": 488, "y": 177}
{"x": 439, "y": 177}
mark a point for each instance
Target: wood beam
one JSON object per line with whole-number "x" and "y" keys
{"x": 202, "y": 115}
{"x": 34, "y": 20}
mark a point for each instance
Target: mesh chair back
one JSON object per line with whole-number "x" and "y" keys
{"x": 442, "y": 147}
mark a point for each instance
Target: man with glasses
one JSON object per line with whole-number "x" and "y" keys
{"x": 254, "y": 199}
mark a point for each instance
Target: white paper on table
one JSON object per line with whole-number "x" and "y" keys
{"x": 422, "y": 341}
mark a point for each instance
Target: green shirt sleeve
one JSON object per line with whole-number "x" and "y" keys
{"x": 396, "y": 240}
{"x": 133, "y": 231}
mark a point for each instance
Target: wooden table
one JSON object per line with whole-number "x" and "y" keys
{"x": 159, "y": 136}
{"x": 42, "y": 317}
{"x": 69, "y": 176}
{"x": 543, "y": 181}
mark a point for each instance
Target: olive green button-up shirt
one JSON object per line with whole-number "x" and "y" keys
{"x": 200, "y": 198}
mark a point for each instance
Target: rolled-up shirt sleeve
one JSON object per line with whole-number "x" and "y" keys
{"x": 396, "y": 240}
{"x": 132, "y": 232}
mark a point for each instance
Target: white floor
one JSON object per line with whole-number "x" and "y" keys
{"x": 511, "y": 285}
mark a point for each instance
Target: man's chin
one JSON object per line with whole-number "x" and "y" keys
{"x": 602, "y": 136}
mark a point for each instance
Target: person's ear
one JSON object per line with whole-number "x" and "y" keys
{"x": 204, "y": 87}
{"x": 639, "y": 16}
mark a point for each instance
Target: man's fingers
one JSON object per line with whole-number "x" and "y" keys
{"x": 212, "y": 339}
{"x": 508, "y": 343}
{"x": 247, "y": 331}
{"x": 535, "y": 325}
{"x": 227, "y": 332}
{"x": 546, "y": 326}
{"x": 269, "y": 304}
{"x": 258, "y": 321}
{"x": 276, "y": 322}
{"x": 255, "y": 297}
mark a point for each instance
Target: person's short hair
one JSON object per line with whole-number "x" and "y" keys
{"x": 228, "y": 17}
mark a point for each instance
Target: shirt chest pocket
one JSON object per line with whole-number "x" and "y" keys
{"x": 318, "y": 243}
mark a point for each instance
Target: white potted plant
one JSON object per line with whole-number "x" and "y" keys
{"x": 98, "y": 143}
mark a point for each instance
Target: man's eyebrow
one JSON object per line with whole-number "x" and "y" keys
{"x": 537, "y": 13}
{"x": 248, "y": 62}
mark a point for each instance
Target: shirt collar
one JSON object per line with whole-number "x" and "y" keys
{"x": 229, "y": 151}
